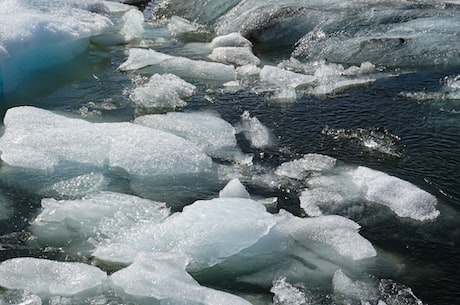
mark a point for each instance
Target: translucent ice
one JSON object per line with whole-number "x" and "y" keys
{"x": 283, "y": 78}
{"x": 162, "y": 91}
{"x": 40, "y": 34}
{"x": 48, "y": 277}
{"x": 209, "y": 132}
{"x": 162, "y": 276}
{"x": 300, "y": 168}
{"x": 178, "y": 25}
{"x": 181, "y": 66}
{"x": 286, "y": 294}
{"x": 98, "y": 216}
{"x": 402, "y": 197}
{"x": 206, "y": 232}
{"x": 356, "y": 184}
{"x": 234, "y": 189}
{"x": 133, "y": 21}
{"x": 254, "y": 131}
{"x": 78, "y": 186}
{"x": 230, "y": 40}
{"x": 44, "y": 141}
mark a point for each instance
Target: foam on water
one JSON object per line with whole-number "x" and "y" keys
{"x": 48, "y": 277}
{"x": 41, "y": 34}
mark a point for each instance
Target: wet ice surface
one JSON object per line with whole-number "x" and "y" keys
{"x": 239, "y": 151}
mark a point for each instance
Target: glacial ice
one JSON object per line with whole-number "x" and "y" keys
{"x": 300, "y": 168}
{"x": 47, "y": 277}
{"x": 234, "y": 189}
{"x": 44, "y": 141}
{"x": 97, "y": 216}
{"x": 133, "y": 24}
{"x": 239, "y": 56}
{"x": 41, "y": 34}
{"x": 180, "y": 66}
{"x": 254, "y": 131}
{"x": 362, "y": 183}
{"x": 283, "y": 78}
{"x": 178, "y": 25}
{"x": 197, "y": 232}
{"x": 162, "y": 276}
{"x": 165, "y": 91}
{"x": 230, "y": 40}
{"x": 207, "y": 131}
{"x": 286, "y": 294}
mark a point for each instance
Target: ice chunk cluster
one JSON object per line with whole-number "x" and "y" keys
{"x": 39, "y": 34}
{"x": 49, "y": 277}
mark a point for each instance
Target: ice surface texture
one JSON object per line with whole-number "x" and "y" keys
{"x": 41, "y": 140}
{"x": 39, "y": 34}
{"x": 49, "y": 277}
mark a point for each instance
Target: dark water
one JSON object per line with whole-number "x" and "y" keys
{"x": 427, "y": 152}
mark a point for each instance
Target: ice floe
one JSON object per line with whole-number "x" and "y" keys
{"x": 234, "y": 189}
{"x": 239, "y": 56}
{"x": 95, "y": 217}
{"x": 42, "y": 276}
{"x": 351, "y": 185}
{"x": 45, "y": 143}
{"x": 254, "y": 131}
{"x": 207, "y": 131}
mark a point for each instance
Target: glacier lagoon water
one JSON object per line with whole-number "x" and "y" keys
{"x": 375, "y": 86}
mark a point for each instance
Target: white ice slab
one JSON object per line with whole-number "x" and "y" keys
{"x": 254, "y": 131}
{"x": 234, "y": 189}
{"x": 48, "y": 277}
{"x": 300, "y": 168}
{"x": 181, "y": 66}
{"x": 239, "y": 56}
{"x": 98, "y": 216}
{"x": 41, "y": 140}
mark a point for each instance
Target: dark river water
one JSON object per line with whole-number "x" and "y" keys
{"x": 409, "y": 111}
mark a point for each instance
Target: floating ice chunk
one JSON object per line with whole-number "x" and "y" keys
{"x": 238, "y": 56}
{"x": 286, "y": 294}
{"x": 181, "y": 66}
{"x": 44, "y": 141}
{"x": 213, "y": 134}
{"x": 230, "y": 40}
{"x": 162, "y": 91}
{"x": 402, "y": 197}
{"x": 364, "y": 292}
{"x": 307, "y": 203}
{"x": 207, "y": 232}
{"x": 284, "y": 78}
{"x": 336, "y": 232}
{"x": 41, "y": 34}
{"x": 254, "y": 131}
{"x": 300, "y": 168}
{"x": 116, "y": 7}
{"x": 234, "y": 189}
{"x": 99, "y": 216}
{"x": 162, "y": 276}
{"x": 133, "y": 24}
{"x": 48, "y": 277}
{"x": 178, "y": 25}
